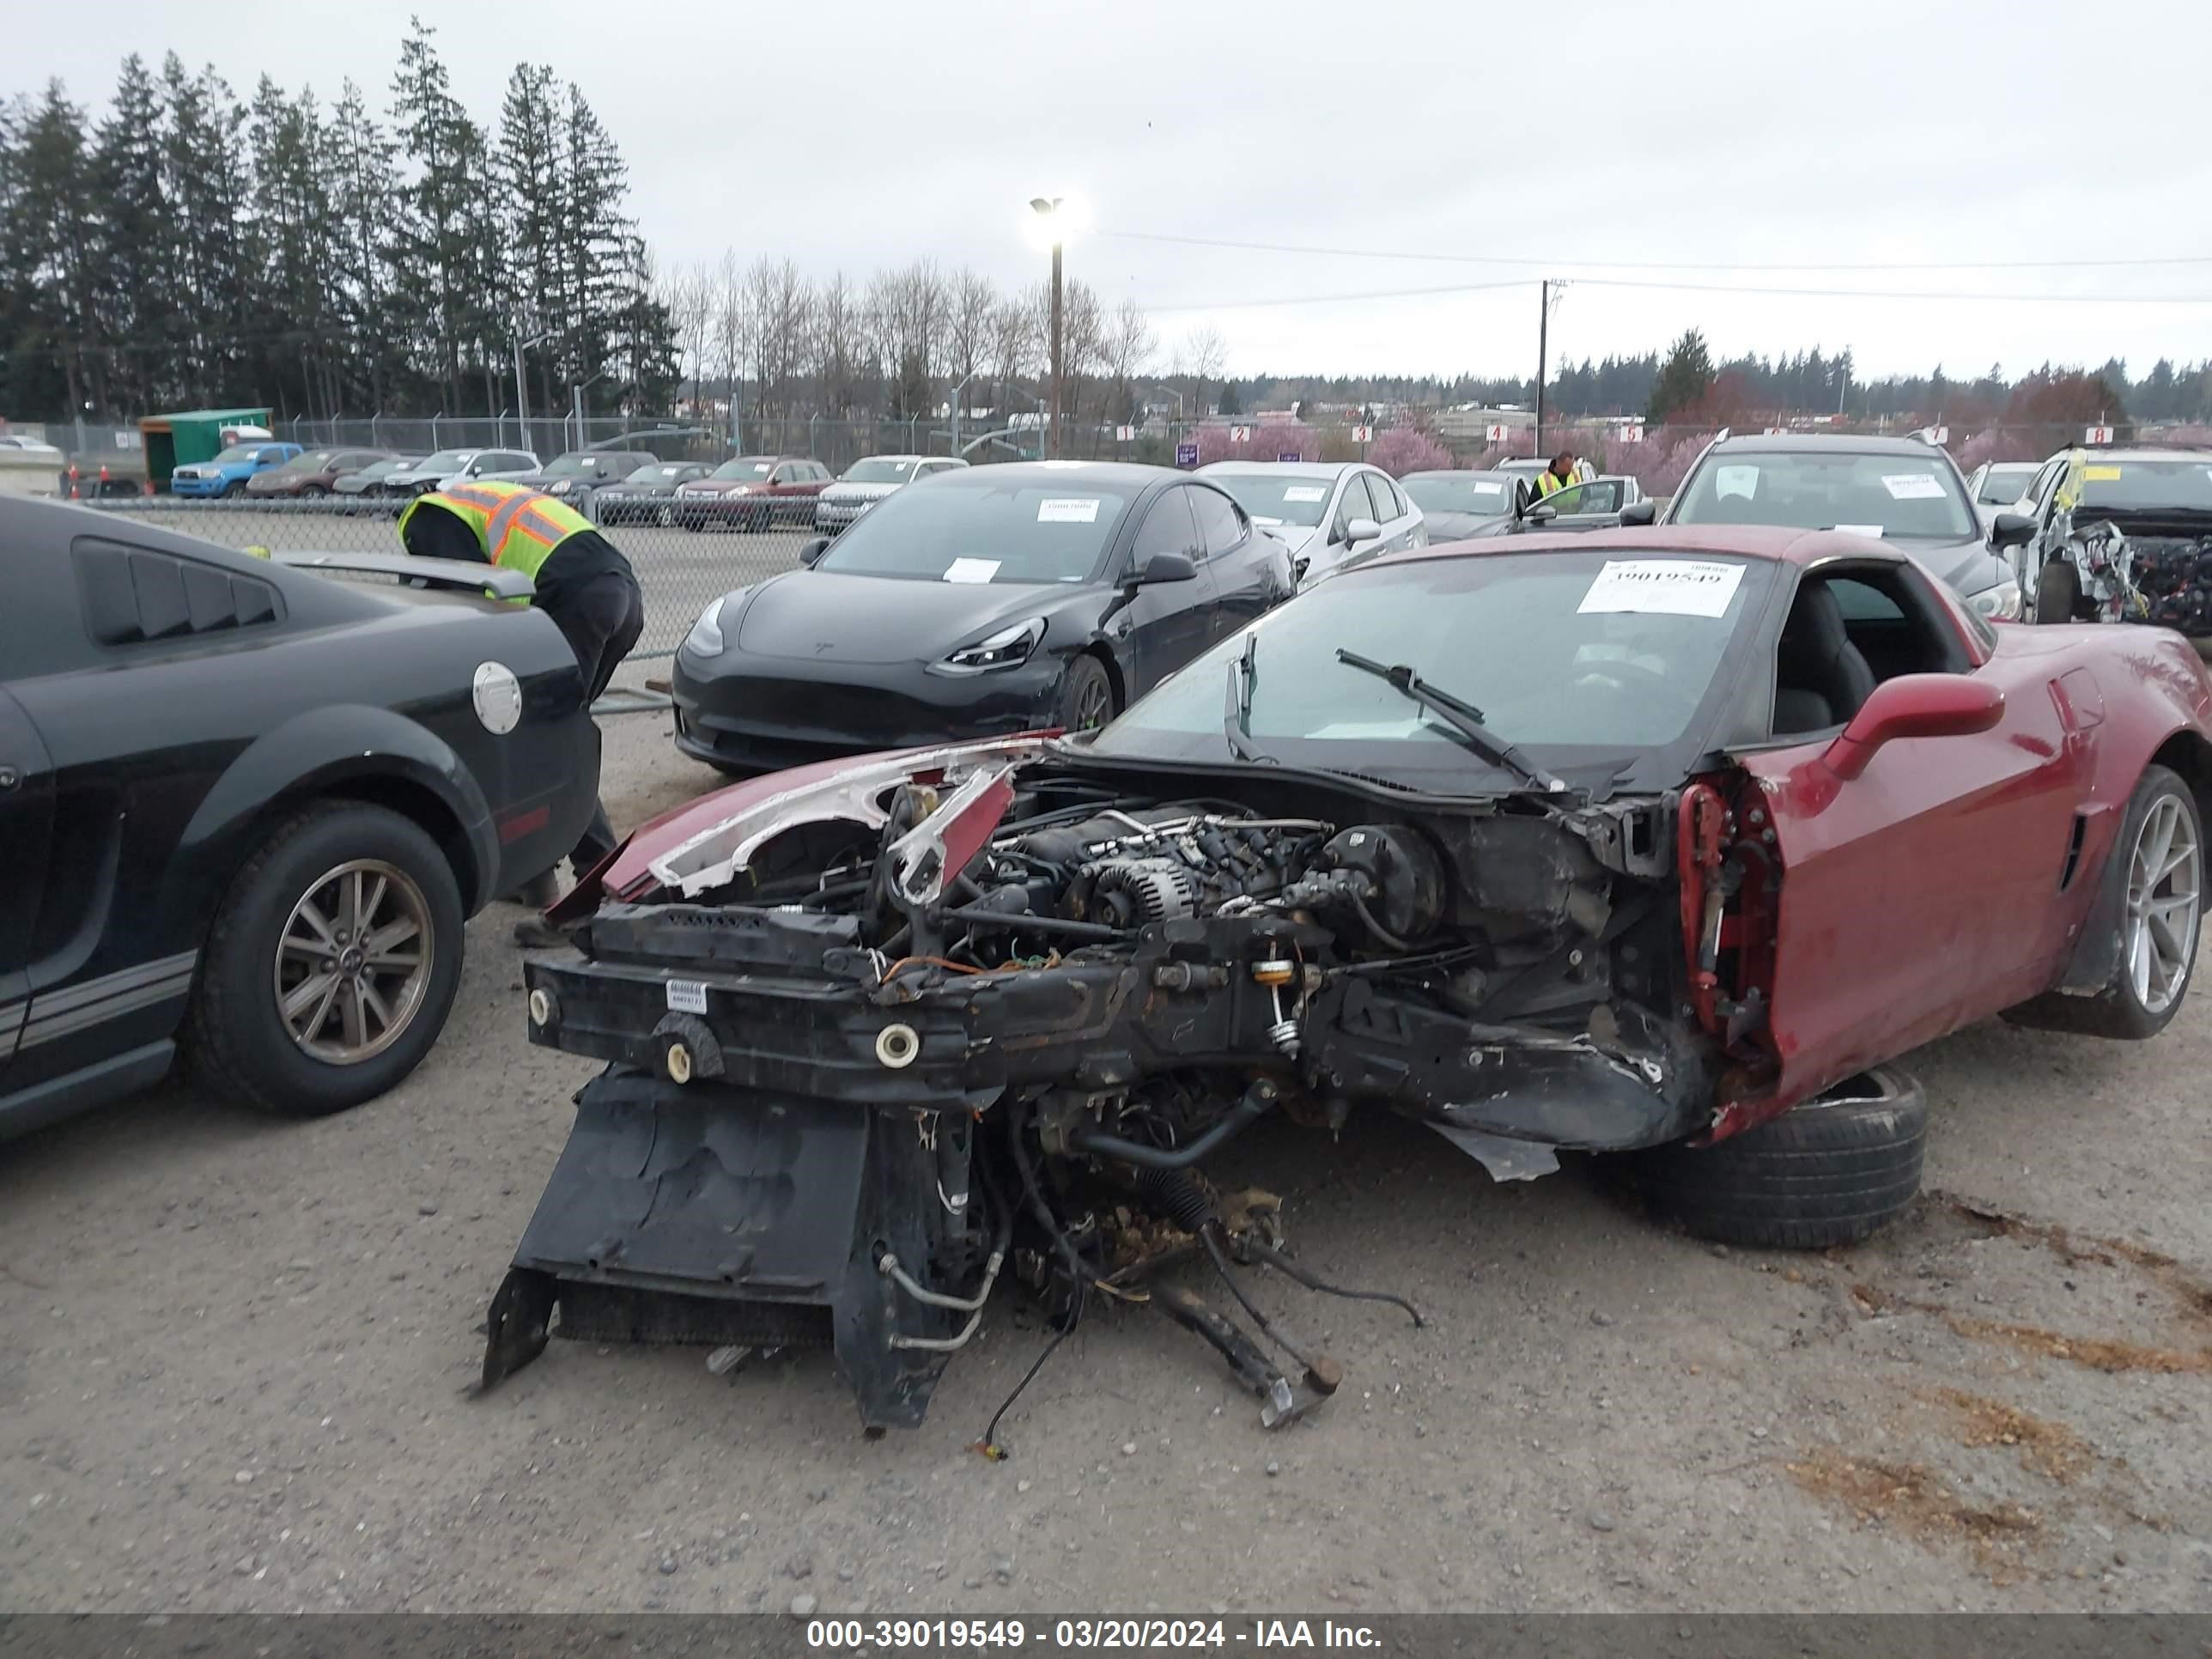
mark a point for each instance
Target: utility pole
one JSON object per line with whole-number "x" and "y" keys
{"x": 1543, "y": 331}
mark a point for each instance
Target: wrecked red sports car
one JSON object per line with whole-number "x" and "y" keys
{"x": 1655, "y": 844}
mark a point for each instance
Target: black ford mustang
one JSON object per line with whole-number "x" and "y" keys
{"x": 986, "y": 600}
{"x": 246, "y": 809}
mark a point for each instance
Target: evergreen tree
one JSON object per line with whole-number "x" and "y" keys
{"x": 357, "y": 183}
{"x": 534, "y": 231}
{"x": 1683, "y": 379}
{"x": 137, "y": 233}
{"x": 433, "y": 259}
{"x": 54, "y": 255}
{"x": 1231, "y": 403}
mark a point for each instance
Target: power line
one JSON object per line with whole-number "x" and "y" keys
{"x": 1655, "y": 265}
{"x": 1702, "y": 288}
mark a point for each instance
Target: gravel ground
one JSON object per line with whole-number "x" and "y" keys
{"x": 237, "y": 1352}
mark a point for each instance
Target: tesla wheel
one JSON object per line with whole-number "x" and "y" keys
{"x": 332, "y": 966}
{"x": 2058, "y": 592}
{"x": 1829, "y": 1171}
{"x": 1086, "y": 695}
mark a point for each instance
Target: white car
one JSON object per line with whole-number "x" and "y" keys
{"x": 2001, "y": 486}
{"x": 452, "y": 466}
{"x": 1332, "y": 515}
{"x": 17, "y": 447}
{"x": 864, "y": 483}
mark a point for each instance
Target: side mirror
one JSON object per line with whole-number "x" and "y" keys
{"x": 1539, "y": 513}
{"x": 1362, "y": 530}
{"x": 810, "y": 551}
{"x": 2011, "y": 530}
{"x": 1164, "y": 567}
{"x": 1640, "y": 512}
{"x": 1914, "y": 706}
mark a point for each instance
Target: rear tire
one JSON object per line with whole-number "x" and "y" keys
{"x": 2058, "y": 592}
{"x": 1829, "y": 1171}
{"x": 237, "y": 1039}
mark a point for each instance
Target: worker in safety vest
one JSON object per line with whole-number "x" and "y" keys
{"x": 1558, "y": 476}
{"x": 583, "y": 584}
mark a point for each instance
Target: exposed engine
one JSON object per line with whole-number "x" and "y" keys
{"x": 991, "y": 1018}
{"x": 2165, "y": 581}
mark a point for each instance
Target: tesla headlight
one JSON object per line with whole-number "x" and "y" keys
{"x": 705, "y": 639}
{"x": 1998, "y": 604}
{"x": 1007, "y": 648}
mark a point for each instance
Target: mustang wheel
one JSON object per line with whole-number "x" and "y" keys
{"x": 1827, "y": 1172}
{"x": 2058, "y": 591}
{"x": 331, "y": 965}
{"x": 1086, "y": 695}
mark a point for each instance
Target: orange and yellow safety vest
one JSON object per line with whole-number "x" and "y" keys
{"x": 518, "y": 527}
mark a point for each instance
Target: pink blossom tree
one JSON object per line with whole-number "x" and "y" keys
{"x": 1405, "y": 449}
{"x": 1266, "y": 442}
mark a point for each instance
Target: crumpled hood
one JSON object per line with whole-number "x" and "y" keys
{"x": 1297, "y": 537}
{"x": 822, "y": 615}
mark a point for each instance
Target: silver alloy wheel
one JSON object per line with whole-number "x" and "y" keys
{"x": 2165, "y": 877}
{"x": 353, "y": 964}
{"x": 667, "y": 518}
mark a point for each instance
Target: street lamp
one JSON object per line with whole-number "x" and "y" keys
{"x": 576, "y": 398}
{"x": 1054, "y": 218}
{"x": 521, "y": 389}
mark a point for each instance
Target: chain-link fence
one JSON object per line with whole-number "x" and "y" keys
{"x": 681, "y": 568}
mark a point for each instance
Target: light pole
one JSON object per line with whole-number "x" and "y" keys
{"x": 958, "y": 392}
{"x": 1048, "y": 209}
{"x": 522, "y": 386}
{"x": 576, "y": 395}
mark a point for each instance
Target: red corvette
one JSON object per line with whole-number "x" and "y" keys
{"x": 1653, "y": 843}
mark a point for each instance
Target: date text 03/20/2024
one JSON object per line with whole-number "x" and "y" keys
{"x": 1070, "y": 1634}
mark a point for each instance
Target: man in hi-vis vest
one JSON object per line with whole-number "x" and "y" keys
{"x": 583, "y": 584}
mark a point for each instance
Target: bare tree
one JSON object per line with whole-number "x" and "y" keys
{"x": 1127, "y": 348}
{"x": 974, "y": 305}
{"x": 842, "y": 360}
{"x": 733, "y": 333}
{"x": 690, "y": 298}
{"x": 781, "y": 301}
{"x": 1202, "y": 355}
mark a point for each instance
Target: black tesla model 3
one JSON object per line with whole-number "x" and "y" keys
{"x": 980, "y": 602}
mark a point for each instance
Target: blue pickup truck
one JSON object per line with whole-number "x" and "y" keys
{"x": 225, "y": 474}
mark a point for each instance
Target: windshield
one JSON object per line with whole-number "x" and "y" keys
{"x": 314, "y": 460}
{"x": 1278, "y": 497}
{"x": 1022, "y": 529}
{"x": 663, "y": 473}
{"x": 1892, "y": 495}
{"x": 2003, "y": 485}
{"x": 2146, "y": 486}
{"x": 1591, "y": 661}
{"x": 447, "y": 460}
{"x": 238, "y": 454}
{"x": 581, "y": 465}
{"x": 878, "y": 472}
{"x": 1460, "y": 492}
{"x": 743, "y": 470}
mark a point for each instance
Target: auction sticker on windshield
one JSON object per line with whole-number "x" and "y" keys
{"x": 971, "y": 570}
{"x": 1068, "y": 510}
{"x": 1674, "y": 588}
{"x": 1306, "y": 493}
{"x": 1912, "y": 486}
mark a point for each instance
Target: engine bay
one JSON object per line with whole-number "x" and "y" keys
{"x": 990, "y": 1019}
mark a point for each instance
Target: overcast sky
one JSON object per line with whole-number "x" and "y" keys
{"x": 1689, "y": 132}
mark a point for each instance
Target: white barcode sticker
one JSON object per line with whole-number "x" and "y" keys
{"x": 1306, "y": 493}
{"x": 686, "y": 996}
{"x": 1912, "y": 486}
{"x": 1068, "y": 509}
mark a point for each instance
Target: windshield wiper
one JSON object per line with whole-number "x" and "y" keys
{"x": 1237, "y": 716}
{"x": 1462, "y": 717}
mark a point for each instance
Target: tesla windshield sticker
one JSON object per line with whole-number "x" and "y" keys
{"x": 1873, "y": 530}
{"x": 1674, "y": 588}
{"x": 1912, "y": 486}
{"x": 1306, "y": 493}
{"x": 1068, "y": 509}
{"x": 1735, "y": 480}
{"x": 2100, "y": 475}
{"x": 971, "y": 570}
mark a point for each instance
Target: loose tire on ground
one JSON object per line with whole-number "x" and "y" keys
{"x": 236, "y": 1040}
{"x": 1828, "y": 1172}
{"x": 2058, "y": 591}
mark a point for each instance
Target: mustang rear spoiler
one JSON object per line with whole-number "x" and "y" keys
{"x": 464, "y": 574}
